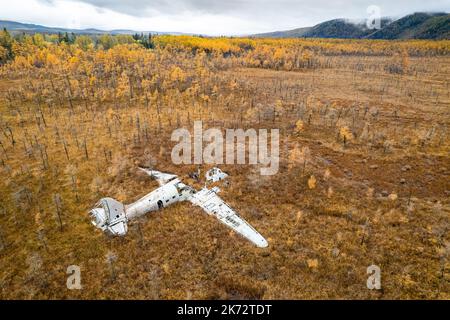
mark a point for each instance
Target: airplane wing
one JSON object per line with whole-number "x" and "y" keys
{"x": 209, "y": 201}
{"x": 161, "y": 177}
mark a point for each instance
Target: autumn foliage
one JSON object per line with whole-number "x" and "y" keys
{"x": 363, "y": 177}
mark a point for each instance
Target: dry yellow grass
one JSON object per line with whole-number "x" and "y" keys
{"x": 76, "y": 126}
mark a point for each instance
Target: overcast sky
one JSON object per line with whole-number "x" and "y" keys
{"x": 212, "y": 17}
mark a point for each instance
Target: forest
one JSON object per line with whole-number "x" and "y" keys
{"x": 363, "y": 179}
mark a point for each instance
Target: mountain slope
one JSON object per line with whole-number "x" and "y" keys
{"x": 32, "y": 28}
{"x": 435, "y": 28}
{"x": 338, "y": 28}
{"x": 295, "y": 33}
{"x": 414, "y": 26}
{"x": 27, "y": 27}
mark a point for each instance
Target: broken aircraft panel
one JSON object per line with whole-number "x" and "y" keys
{"x": 215, "y": 174}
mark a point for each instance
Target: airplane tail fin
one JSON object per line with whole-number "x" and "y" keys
{"x": 109, "y": 216}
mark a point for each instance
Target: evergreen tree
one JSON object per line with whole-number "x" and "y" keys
{"x": 66, "y": 38}
{"x": 147, "y": 42}
{"x": 6, "y": 42}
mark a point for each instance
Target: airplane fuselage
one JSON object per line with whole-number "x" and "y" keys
{"x": 112, "y": 216}
{"x": 170, "y": 193}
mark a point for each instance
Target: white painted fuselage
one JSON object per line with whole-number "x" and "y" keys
{"x": 173, "y": 191}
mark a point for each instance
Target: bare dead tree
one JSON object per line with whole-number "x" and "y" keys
{"x": 44, "y": 155}
{"x": 3, "y": 244}
{"x": 11, "y": 135}
{"x": 58, "y": 205}
{"x": 69, "y": 89}
{"x": 86, "y": 154}
{"x": 4, "y": 150}
{"x": 65, "y": 150}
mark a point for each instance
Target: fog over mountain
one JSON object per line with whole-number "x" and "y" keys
{"x": 212, "y": 17}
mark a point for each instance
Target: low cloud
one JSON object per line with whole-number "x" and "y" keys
{"x": 214, "y": 17}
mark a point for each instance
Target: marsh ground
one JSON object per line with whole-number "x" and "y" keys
{"x": 333, "y": 209}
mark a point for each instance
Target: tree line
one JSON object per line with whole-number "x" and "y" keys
{"x": 84, "y": 42}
